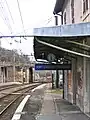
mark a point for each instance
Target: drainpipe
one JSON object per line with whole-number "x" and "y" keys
{"x": 61, "y": 17}
{"x": 56, "y": 20}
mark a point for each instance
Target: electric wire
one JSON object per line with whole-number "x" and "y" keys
{"x": 5, "y": 18}
{"x": 9, "y": 11}
{"x": 20, "y": 15}
{"x": 45, "y": 21}
{"x": 5, "y": 39}
{"x": 49, "y": 21}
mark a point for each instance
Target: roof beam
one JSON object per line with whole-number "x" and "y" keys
{"x": 62, "y": 49}
{"x": 77, "y": 43}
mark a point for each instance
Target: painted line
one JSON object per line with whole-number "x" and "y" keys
{"x": 18, "y": 111}
{"x": 17, "y": 114}
{"x": 39, "y": 87}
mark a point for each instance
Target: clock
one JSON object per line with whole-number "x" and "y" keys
{"x": 51, "y": 57}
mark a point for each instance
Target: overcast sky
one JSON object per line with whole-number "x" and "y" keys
{"x": 35, "y": 13}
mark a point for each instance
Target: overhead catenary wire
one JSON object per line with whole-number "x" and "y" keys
{"x": 9, "y": 11}
{"x": 5, "y": 39}
{"x": 47, "y": 20}
{"x": 4, "y": 12}
{"x": 16, "y": 36}
{"x": 5, "y": 17}
{"x": 22, "y": 36}
{"x": 20, "y": 15}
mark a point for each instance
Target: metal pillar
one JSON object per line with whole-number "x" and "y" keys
{"x": 63, "y": 84}
{"x": 52, "y": 81}
{"x": 57, "y": 79}
{"x": 57, "y": 75}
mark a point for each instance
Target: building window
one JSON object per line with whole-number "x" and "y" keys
{"x": 72, "y": 11}
{"x": 65, "y": 18}
{"x": 85, "y": 5}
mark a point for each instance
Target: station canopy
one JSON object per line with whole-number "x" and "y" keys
{"x": 62, "y": 42}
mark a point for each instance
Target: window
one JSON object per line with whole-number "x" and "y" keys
{"x": 85, "y": 5}
{"x": 65, "y": 18}
{"x": 72, "y": 11}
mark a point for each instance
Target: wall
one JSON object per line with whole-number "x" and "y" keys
{"x": 67, "y": 10}
{"x": 82, "y": 73}
{"x": 86, "y": 16}
{"x": 87, "y": 87}
{"x": 65, "y": 84}
{"x": 10, "y": 74}
{"x": 0, "y": 76}
{"x": 78, "y": 8}
{"x": 80, "y": 83}
{"x": 87, "y": 82}
{"x": 78, "y": 12}
{"x": 70, "y": 86}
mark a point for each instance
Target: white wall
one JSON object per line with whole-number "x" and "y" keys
{"x": 78, "y": 12}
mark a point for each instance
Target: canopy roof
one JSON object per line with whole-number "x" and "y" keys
{"x": 62, "y": 41}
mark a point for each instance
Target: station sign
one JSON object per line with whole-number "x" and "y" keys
{"x": 52, "y": 66}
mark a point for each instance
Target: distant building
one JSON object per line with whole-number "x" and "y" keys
{"x": 14, "y": 67}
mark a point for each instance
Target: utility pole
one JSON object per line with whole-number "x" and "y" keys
{"x": 13, "y": 66}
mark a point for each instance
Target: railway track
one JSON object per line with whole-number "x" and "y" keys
{"x": 11, "y": 86}
{"x": 8, "y": 87}
{"x": 6, "y": 91}
{"x": 8, "y": 100}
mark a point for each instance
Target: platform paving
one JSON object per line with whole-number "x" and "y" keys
{"x": 46, "y": 104}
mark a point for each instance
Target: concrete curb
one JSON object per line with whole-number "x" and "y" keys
{"x": 86, "y": 114}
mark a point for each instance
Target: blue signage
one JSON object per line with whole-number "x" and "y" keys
{"x": 52, "y": 66}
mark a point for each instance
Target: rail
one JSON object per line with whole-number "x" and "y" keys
{"x": 9, "y": 99}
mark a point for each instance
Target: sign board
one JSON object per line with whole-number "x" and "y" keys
{"x": 52, "y": 66}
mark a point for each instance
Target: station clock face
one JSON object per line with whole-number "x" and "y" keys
{"x": 51, "y": 57}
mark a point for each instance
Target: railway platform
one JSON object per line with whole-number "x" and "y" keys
{"x": 47, "y": 104}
